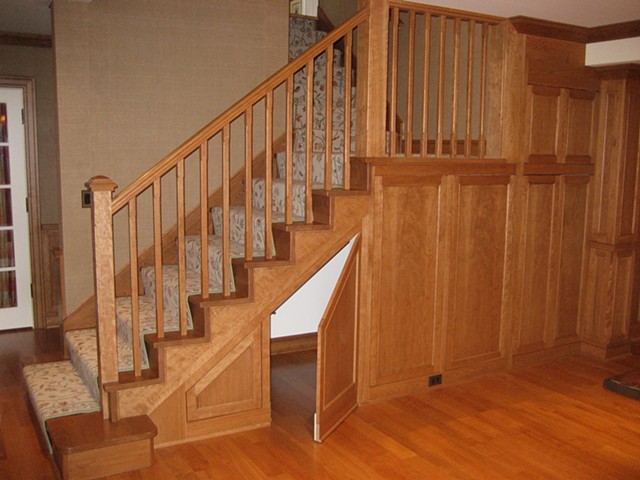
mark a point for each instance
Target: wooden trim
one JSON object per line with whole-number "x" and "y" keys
{"x": 448, "y": 12}
{"x": 549, "y": 29}
{"x": 294, "y": 343}
{"x": 558, "y": 169}
{"x": 33, "y": 192}
{"x": 614, "y": 31}
{"x": 575, "y": 33}
{"x": 25, "y": 39}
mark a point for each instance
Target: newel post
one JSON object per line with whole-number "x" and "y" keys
{"x": 101, "y": 189}
{"x": 371, "y": 102}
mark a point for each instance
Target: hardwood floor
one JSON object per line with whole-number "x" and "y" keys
{"x": 553, "y": 421}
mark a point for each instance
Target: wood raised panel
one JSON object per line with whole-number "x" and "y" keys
{"x": 561, "y": 125}
{"x": 407, "y": 242}
{"x": 580, "y": 126}
{"x": 475, "y": 324}
{"x": 544, "y": 124}
{"x": 50, "y": 238}
{"x": 537, "y": 263}
{"x": 572, "y": 248}
{"x": 628, "y": 201}
{"x": 233, "y": 385}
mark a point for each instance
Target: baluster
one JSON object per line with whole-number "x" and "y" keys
{"x": 308, "y": 183}
{"x": 348, "y": 46}
{"x": 182, "y": 270}
{"x": 268, "y": 232}
{"x": 204, "y": 219}
{"x": 328, "y": 145}
{"x": 288, "y": 180}
{"x": 248, "y": 180}
{"x": 133, "y": 270}
{"x": 456, "y": 88}
{"x": 408, "y": 134}
{"x": 393, "y": 87}
{"x": 226, "y": 213}
{"x": 483, "y": 88}
{"x": 157, "y": 256}
{"x": 469, "y": 118}
{"x": 424, "y": 144}
{"x": 441, "y": 63}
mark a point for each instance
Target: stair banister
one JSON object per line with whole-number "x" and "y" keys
{"x": 102, "y": 189}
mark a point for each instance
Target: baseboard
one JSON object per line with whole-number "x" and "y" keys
{"x": 294, "y": 343}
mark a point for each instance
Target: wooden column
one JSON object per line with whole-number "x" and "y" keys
{"x": 609, "y": 292}
{"x": 372, "y": 80}
{"x": 102, "y": 222}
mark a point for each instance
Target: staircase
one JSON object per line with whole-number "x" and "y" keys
{"x": 175, "y": 339}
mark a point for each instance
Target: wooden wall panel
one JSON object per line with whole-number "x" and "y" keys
{"x": 50, "y": 238}
{"x": 544, "y": 123}
{"x": 233, "y": 385}
{"x": 572, "y": 247}
{"x": 475, "y": 324}
{"x": 407, "y": 241}
{"x": 537, "y": 263}
{"x": 628, "y": 200}
{"x": 580, "y": 126}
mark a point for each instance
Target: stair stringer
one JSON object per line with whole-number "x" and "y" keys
{"x": 231, "y": 325}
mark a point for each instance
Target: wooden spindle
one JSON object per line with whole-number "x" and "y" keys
{"x": 455, "y": 94}
{"x": 328, "y": 161}
{"x": 182, "y": 259}
{"x": 441, "y": 63}
{"x": 268, "y": 232}
{"x": 308, "y": 179}
{"x": 393, "y": 81}
{"x": 348, "y": 46}
{"x": 133, "y": 270}
{"x": 424, "y": 143}
{"x": 248, "y": 180}
{"x": 288, "y": 178}
{"x": 157, "y": 256}
{"x": 469, "y": 116}
{"x": 226, "y": 212}
{"x": 408, "y": 134}
{"x": 204, "y": 219}
{"x": 483, "y": 88}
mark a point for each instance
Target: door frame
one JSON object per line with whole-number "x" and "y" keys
{"x": 27, "y": 85}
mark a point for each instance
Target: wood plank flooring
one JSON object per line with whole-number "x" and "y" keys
{"x": 553, "y": 421}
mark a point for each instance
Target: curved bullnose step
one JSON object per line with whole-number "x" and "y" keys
{"x": 87, "y": 446}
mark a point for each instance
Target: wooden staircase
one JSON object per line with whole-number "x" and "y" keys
{"x": 171, "y": 361}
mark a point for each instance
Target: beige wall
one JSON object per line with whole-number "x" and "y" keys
{"x": 338, "y": 11}
{"x": 136, "y": 79}
{"x": 37, "y": 63}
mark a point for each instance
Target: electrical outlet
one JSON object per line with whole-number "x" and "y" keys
{"x": 435, "y": 380}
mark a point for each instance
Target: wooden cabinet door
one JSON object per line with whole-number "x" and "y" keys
{"x": 336, "y": 382}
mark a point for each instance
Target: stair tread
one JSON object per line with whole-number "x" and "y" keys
{"x": 56, "y": 389}
{"x": 86, "y": 432}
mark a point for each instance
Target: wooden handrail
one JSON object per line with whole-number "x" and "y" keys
{"x": 447, "y": 12}
{"x": 204, "y": 134}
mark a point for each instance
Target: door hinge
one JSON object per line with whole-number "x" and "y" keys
{"x": 31, "y": 285}
{"x": 22, "y": 116}
{"x": 26, "y": 204}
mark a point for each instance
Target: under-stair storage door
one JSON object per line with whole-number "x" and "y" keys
{"x": 336, "y": 382}
{"x": 16, "y": 307}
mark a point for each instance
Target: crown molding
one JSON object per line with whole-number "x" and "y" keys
{"x": 574, "y": 33}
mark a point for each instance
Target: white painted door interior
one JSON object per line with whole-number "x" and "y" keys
{"x": 16, "y": 303}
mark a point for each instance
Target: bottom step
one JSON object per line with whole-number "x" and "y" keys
{"x": 87, "y": 446}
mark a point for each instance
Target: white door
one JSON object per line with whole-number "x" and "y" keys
{"x": 16, "y": 305}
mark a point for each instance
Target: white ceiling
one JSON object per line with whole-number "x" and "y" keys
{"x": 33, "y": 16}
{"x": 585, "y": 13}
